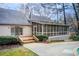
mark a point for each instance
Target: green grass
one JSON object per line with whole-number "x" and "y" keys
{"x": 21, "y": 51}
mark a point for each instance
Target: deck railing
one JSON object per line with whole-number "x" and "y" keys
{"x": 35, "y": 38}
{"x": 60, "y": 37}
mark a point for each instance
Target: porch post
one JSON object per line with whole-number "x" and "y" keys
{"x": 42, "y": 29}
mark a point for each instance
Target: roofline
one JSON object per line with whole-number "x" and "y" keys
{"x": 51, "y": 24}
{"x": 17, "y": 24}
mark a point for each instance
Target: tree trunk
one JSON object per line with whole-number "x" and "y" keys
{"x": 57, "y": 13}
{"x": 74, "y": 7}
{"x": 64, "y": 14}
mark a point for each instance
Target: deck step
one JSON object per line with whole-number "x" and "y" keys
{"x": 28, "y": 41}
{"x": 25, "y": 39}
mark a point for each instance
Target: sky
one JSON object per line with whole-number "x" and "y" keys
{"x": 14, "y": 6}
{"x": 17, "y": 6}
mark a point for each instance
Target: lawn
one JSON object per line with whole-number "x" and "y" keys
{"x": 20, "y": 51}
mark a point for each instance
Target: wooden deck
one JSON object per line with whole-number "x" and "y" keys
{"x": 28, "y": 39}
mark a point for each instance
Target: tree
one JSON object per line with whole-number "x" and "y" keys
{"x": 76, "y": 9}
{"x": 52, "y": 7}
{"x": 64, "y": 14}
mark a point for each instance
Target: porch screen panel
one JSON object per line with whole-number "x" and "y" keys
{"x": 39, "y": 29}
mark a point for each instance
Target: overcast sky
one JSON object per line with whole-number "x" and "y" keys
{"x": 13, "y": 6}
{"x": 17, "y": 6}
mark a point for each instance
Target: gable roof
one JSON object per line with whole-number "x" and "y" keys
{"x": 44, "y": 20}
{"x": 8, "y": 16}
{"x": 40, "y": 19}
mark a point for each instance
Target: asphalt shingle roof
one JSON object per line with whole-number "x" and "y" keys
{"x": 8, "y": 16}
{"x": 41, "y": 19}
{"x": 44, "y": 20}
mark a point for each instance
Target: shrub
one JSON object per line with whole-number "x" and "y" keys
{"x": 42, "y": 37}
{"x": 8, "y": 40}
{"x": 75, "y": 37}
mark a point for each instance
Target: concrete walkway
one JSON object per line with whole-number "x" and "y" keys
{"x": 53, "y": 49}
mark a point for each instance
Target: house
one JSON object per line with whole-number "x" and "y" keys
{"x": 14, "y": 23}
{"x": 44, "y": 26}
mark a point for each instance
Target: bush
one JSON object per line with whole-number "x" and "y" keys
{"x": 75, "y": 37}
{"x": 42, "y": 37}
{"x": 8, "y": 40}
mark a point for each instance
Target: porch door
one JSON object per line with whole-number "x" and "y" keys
{"x": 16, "y": 31}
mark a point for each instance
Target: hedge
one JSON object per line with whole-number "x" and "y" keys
{"x": 8, "y": 40}
{"x": 74, "y": 37}
{"x": 42, "y": 37}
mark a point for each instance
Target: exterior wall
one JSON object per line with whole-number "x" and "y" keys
{"x": 5, "y": 30}
{"x": 27, "y": 31}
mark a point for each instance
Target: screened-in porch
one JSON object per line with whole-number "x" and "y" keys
{"x": 50, "y": 29}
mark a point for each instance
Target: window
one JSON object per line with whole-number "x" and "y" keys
{"x": 12, "y": 31}
{"x": 19, "y": 31}
{"x": 16, "y": 31}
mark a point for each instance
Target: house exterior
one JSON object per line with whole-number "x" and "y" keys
{"x": 44, "y": 26}
{"x": 14, "y": 23}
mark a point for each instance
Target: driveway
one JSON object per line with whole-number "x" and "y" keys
{"x": 53, "y": 49}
